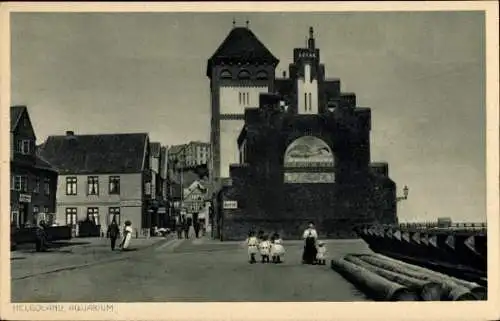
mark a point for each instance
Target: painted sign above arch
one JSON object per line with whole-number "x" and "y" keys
{"x": 309, "y": 151}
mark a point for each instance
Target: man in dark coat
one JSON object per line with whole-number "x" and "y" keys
{"x": 196, "y": 225}
{"x": 114, "y": 233}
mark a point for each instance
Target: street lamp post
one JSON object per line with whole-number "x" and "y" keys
{"x": 405, "y": 195}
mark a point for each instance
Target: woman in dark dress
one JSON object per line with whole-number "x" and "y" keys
{"x": 310, "y": 236}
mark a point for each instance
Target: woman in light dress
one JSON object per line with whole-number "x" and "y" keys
{"x": 127, "y": 236}
{"x": 277, "y": 248}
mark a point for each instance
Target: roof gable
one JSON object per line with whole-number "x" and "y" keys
{"x": 241, "y": 44}
{"x": 96, "y": 154}
{"x": 15, "y": 114}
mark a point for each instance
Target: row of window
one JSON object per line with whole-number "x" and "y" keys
{"x": 21, "y": 183}
{"x": 244, "y": 74}
{"x": 244, "y": 98}
{"x": 92, "y": 215}
{"x": 92, "y": 185}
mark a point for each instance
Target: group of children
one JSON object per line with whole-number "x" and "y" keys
{"x": 270, "y": 248}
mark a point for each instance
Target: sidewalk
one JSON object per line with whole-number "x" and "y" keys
{"x": 71, "y": 254}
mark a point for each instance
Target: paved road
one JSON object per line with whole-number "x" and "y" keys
{"x": 185, "y": 270}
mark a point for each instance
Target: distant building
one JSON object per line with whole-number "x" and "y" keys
{"x": 102, "y": 177}
{"x": 190, "y": 155}
{"x": 33, "y": 182}
{"x": 195, "y": 197}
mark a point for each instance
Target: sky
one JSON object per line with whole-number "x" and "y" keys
{"x": 422, "y": 73}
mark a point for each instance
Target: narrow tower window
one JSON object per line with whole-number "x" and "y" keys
{"x": 305, "y": 101}
{"x": 239, "y": 96}
{"x": 310, "y": 102}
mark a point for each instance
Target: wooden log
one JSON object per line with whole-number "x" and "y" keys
{"x": 479, "y": 291}
{"x": 452, "y": 291}
{"x": 428, "y": 290}
{"x": 373, "y": 284}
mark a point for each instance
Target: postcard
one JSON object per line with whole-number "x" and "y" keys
{"x": 249, "y": 161}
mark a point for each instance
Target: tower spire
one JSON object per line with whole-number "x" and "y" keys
{"x": 310, "y": 41}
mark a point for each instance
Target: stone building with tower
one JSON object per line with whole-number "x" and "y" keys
{"x": 289, "y": 150}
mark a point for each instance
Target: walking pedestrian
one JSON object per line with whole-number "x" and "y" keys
{"x": 114, "y": 233}
{"x": 187, "y": 225}
{"x": 41, "y": 238}
{"x": 127, "y": 236}
{"x": 197, "y": 228}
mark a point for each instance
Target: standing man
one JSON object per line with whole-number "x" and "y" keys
{"x": 114, "y": 233}
{"x": 196, "y": 225}
{"x": 41, "y": 237}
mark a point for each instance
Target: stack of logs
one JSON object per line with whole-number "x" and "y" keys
{"x": 460, "y": 251}
{"x": 387, "y": 279}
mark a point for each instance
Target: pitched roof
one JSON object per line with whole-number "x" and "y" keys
{"x": 15, "y": 114}
{"x": 155, "y": 149}
{"x": 241, "y": 44}
{"x": 95, "y": 154}
{"x": 40, "y": 162}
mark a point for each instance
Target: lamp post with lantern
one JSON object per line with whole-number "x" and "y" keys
{"x": 402, "y": 198}
{"x": 405, "y": 195}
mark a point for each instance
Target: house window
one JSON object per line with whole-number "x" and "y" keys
{"x": 147, "y": 188}
{"x": 36, "y": 212}
{"x": 36, "y": 190}
{"x": 71, "y": 216}
{"x": 46, "y": 186}
{"x": 114, "y": 214}
{"x": 93, "y": 185}
{"x": 24, "y": 146}
{"x": 49, "y": 218}
{"x": 244, "y": 75}
{"x": 21, "y": 183}
{"x": 114, "y": 185}
{"x": 93, "y": 214}
{"x": 71, "y": 183}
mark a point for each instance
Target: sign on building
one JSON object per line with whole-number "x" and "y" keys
{"x": 230, "y": 205}
{"x": 24, "y": 198}
{"x": 131, "y": 203}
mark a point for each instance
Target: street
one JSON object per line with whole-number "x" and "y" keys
{"x": 177, "y": 270}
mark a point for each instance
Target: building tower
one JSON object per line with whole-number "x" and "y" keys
{"x": 239, "y": 70}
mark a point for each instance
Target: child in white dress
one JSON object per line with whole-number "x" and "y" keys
{"x": 253, "y": 244}
{"x": 277, "y": 249}
{"x": 265, "y": 248}
{"x": 321, "y": 254}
